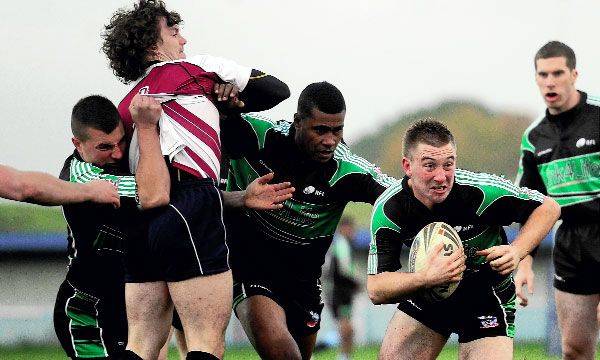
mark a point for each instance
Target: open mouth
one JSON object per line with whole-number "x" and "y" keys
{"x": 439, "y": 189}
{"x": 551, "y": 96}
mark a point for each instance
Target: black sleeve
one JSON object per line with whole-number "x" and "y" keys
{"x": 237, "y": 135}
{"x": 263, "y": 92}
{"x": 508, "y": 210}
{"x": 360, "y": 188}
{"x": 529, "y": 175}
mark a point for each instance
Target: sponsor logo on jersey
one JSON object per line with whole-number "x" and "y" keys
{"x": 311, "y": 190}
{"x": 544, "y": 152}
{"x": 144, "y": 90}
{"x": 488, "y": 322}
{"x": 585, "y": 142}
{"x": 460, "y": 228}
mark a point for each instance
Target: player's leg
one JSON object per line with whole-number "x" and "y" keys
{"x": 346, "y": 335}
{"x": 84, "y": 328}
{"x": 306, "y": 344}
{"x": 181, "y": 344}
{"x": 264, "y": 322}
{"x": 492, "y": 348}
{"x": 576, "y": 259}
{"x": 149, "y": 313}
{"x": 577, "y": 318}
{"x": 204, "y": 307}
{"x": 407, "y": 338}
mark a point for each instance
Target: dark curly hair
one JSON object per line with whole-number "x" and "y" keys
{"x": 131, "y": 34}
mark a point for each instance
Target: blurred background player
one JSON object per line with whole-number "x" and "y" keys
{"x": 339, "y": 271}
{"x": 560, "y": 157}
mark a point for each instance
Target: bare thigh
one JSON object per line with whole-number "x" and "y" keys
{"x": 204, "y": 307}
{"x": 578, "y": 321}
{"x": 492, "y": 348}
{"x": 264, "y": 322}
{"x": 406, "y": 338}
{"x": 149, "y": 315}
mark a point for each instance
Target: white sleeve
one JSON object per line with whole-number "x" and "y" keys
{"x": 227, "y": 70}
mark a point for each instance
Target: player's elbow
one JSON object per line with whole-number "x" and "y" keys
{"x": 154, "y": 200}
{"x": 554, "y": 208}
{"x": 376, "y": 295}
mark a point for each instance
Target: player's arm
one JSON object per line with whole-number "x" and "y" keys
{"x": 389, "y": 287}
{"x": 44, "y": 189}
{"x": 260, "y": 195}
{"x": 152, "y": 175}
{"x": 263, "y": 92}
{"x": 505, "y": 258}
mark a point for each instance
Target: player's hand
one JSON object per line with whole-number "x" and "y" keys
{"x": 524, "y": 276}
{"x": 444, "y": 269}
{"x": 145, "y": 111}
{"x": 502, "y": 258}
{"x": 229, "y": 93}
{"x": 260, "y": 195}
{"x": 103, "y": 192}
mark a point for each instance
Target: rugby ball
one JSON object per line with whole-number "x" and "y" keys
{"x": 423, "y": 243}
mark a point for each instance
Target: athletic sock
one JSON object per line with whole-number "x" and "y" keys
{"x": 200, "y": 355}
{"x": 130, "y": 355}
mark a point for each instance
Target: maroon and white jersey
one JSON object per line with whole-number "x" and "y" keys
{"x": 189, "y": 124}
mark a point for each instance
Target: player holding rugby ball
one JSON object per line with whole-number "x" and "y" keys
{"x": 482, "y": 309}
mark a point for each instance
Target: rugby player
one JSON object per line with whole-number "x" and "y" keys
{"x": 560, "y": 157}
{"x": 482, "y": 309}
{"x": 343, "y": 284}
{"x": 187, "y": 256}
{"x": 277, "y": 255}
{"x": 89, "y": 317}
{"x": 44, "y": 189}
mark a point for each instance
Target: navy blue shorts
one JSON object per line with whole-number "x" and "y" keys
{"x": 185, "y": 239}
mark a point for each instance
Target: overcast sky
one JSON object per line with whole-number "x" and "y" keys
{"x": 387, "y": 57}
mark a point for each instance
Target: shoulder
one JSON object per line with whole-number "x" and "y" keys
{"x": 349, "y": 163}
{"x": 528, "y": 138}
{"x": 381, "y": 217}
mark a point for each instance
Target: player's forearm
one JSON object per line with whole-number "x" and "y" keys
{"x": 152, "y": 175}
{"x": 44, "y": 189}
{"x": 234, "y": 199}
{"x": 263, "y": 92}
{"x": 537, "y": 226}
{"x": 391, "y": 287}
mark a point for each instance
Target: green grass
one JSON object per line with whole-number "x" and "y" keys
{"x": 31, "y": 218}
{"x": 530, "y": 351}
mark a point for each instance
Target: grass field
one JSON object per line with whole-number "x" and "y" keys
{"x": 522, "y": 352}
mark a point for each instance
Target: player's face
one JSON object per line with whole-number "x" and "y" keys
{"x": 319, "y": 135}
{"x": 170, "y": 45}
{"x": 557, "y": 84}
{"x": 100, "y": 148}
{"x": 431, "y": 172}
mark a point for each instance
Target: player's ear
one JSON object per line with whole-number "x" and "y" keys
{"x": 77, "y": 143}
{"x": 574, "y": 75}
{"x": 406, "y": 166}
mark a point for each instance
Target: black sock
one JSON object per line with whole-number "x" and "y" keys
{"x": 200, "y": 355}
{"x": 130, "y": 355}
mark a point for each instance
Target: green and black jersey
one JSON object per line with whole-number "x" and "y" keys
{"x": 292, "y": 242}
{"x": 560, "y": 157}
{"x": 97, "y": 233}
{"x": 477, "y": 207}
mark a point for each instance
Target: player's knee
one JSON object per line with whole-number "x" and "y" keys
{"x": 577, "y": 349}
{"x": 277, "y": 347}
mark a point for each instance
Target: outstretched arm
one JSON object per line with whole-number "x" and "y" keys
{"x": 44, "y": 189}
{"x": 260, "y": 195}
